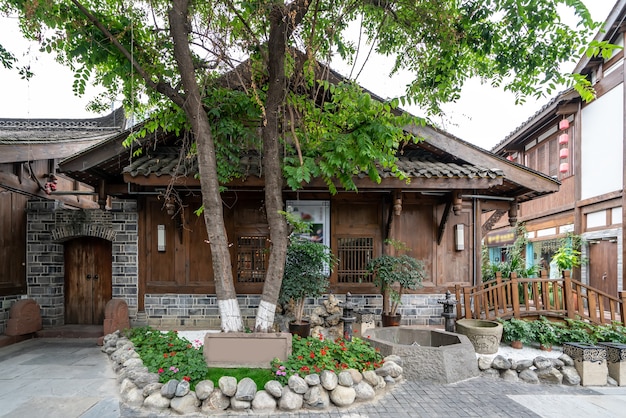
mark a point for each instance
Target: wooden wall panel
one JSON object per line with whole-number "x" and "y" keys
{"x": 12, "y": 243}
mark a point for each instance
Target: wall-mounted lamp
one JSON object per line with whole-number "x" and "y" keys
{"x": 459, "y": 237}
{"x": 161, "y": 238}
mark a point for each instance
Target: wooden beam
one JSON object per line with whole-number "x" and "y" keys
{"x": 444, "y": 220}
{"x": 567, "y": 109}
{"x": 34, "y": 152}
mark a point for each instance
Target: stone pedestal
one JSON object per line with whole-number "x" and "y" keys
{"x": 24, "y": 318}
{"x": 364, "y": 322}
{"x": 616, "y": 361}
{"x": 590, "y": 362}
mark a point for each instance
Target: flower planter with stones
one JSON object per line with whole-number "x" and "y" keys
{"x": 141, "y": 390}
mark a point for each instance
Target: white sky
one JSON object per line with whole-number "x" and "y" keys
{"x": 483, "y": 115}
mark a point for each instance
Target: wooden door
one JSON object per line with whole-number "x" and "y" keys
{"x": 88, "y": 284}
{"x": 603, "y": 266}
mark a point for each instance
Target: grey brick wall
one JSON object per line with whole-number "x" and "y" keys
{"x": 50, "y": 225}
{"x": 177, "y": 311}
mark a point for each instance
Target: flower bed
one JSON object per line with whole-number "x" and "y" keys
{"x": 291, "y": 389}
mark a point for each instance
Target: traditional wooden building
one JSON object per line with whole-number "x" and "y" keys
{"x": 30, "y": 150}
{"x": 582, "y": 145}
{"x": 153, "y": 253}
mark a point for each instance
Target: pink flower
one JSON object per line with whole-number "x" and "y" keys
{"x": 161, "y": 370}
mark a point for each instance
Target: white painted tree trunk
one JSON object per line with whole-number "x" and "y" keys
{"x": 231, "y": 315}
{"x": 265, "y": 317}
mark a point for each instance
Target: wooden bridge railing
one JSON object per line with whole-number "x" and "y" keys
{"x": 532, "y": 297}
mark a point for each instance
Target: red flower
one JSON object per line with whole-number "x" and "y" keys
{"x": 305, "y": 368}
{"x": 300, "y": 358}
{"x": 173, "y": 353}
{"x": 323, "y": 352}
{"x": 187, "y": 378}
{"x": 317, "y": 369}
{"x": 170, "y": 345}
{"x": 165, "y": 355}
{"x": 312, "y": 355}
{"x": 161, "y": 370}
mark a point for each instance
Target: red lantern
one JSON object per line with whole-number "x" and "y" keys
{"x": 563, "y": 139}
{"x": 564, "y": 124}
{"x": 564, "y": 167}
{"x": 564, "y": 153}
{"x": 510, "y": 158}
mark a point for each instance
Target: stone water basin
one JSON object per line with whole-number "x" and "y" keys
{"x": 427, "y": 354}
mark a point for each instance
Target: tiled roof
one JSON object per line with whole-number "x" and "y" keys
{"x": 44, "y": 131}
{"x": 419, "y": 164}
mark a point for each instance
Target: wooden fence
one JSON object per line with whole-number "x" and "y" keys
{"x": 533, "y": 297}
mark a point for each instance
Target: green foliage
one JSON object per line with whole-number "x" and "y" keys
{"x": 168, "y": 355}
{"x": 545, "y": 332}
{"x": 517, "y": 330}
{"x": 548, "y": 333}
{"x": 393, "y": 274}
{"x": 173, "y": 357}
{"x": 312, "y": 355}
{"x": 307, "y": 268}
{"x": 349, "y": 134}
{"x": 568, "y": 256}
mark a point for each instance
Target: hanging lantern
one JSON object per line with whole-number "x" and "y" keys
{"x": 510, "y": 158}
{"x": 564, "y": 124}
{"x": 563, "y": 139}
{"x": 564, "y": 153}
{"x": 564, "y": 167}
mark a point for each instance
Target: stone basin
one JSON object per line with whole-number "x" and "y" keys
{"x": 427, "y": 354}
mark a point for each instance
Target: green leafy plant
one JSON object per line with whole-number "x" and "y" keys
{"x": 169, "y": 356}
{"x": 515, "y": 259}
{"x": 315, "y": 354}
{"x": 568, "y": 256}
{"x": 545, "y": 332}
{"x": 393, "y": 274}
{"x": 307, "y": 268}
{"x": 517, "y": 330}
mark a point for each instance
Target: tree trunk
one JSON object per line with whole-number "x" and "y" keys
{"x": 282, "y": 23}
{"x": 207, "y": 167}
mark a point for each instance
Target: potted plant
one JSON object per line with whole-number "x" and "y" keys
{"x": 545, "y": 333}
{"x": 517, "y": 332}
{"x": 307, "y": 268}
{"x": 393, "y": 274}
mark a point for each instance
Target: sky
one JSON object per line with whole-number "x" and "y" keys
{"x": 483, "y": 115}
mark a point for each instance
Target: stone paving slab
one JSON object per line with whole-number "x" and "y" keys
{"x": 72, "y": 378}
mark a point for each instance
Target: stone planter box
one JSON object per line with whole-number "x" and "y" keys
{"x": 242, "y": 349}
{"x": 484, "y": 335}
{"x": 616, "y": 361}
{"x": 590, "y": 362}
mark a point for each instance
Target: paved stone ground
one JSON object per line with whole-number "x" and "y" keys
{"x": 72, "y": 378}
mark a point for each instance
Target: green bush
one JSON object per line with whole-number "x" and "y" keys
{"x": 548, "y": 333}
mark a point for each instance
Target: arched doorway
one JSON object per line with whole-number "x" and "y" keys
{"x": 88, "y": 285}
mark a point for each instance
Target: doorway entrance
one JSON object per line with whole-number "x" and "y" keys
{"x": 88, "y": 280}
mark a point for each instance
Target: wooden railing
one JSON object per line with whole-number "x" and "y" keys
{"x": 534, "y": 297}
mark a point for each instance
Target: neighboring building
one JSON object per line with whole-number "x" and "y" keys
{"x": 582, "y": 145}
{"x": 30, "y": 150}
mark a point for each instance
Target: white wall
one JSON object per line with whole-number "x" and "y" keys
{"x": 602, "y": 144}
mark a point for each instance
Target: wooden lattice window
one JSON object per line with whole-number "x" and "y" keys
{"x": 252, "y": 258}
{"x": 354, "y": 253}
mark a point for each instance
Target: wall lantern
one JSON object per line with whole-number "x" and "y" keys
{"x": 564, "y": 153}
{"x": 563, "y": 139}
{"x": 564, "y": 167}
{"x": 564, "y": 124}
{"x": 161, "y": 238}
{"x": 459, "y": 237}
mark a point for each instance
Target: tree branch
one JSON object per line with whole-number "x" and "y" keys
{"x": 160, "y": 86}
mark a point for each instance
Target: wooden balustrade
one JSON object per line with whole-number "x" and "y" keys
{"x": 540, "y": 296}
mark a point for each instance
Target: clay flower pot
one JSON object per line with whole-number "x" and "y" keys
{"x": 484, "y": 335}
{"x": 517, "y": 344}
